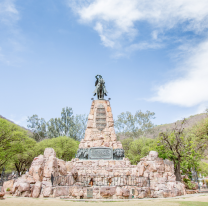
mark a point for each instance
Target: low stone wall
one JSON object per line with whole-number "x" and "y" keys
{"x": 37, "y": 182}
{"x": 116, "y": 192}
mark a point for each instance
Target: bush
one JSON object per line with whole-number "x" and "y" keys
{"x": 65, "y": 147}
{"x": 190, "y": 185}
{"x": 8, "y": 189}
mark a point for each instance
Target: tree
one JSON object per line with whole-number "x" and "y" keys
{"x": 11, "y": 136}
{"x": 138, "y": 148}
{"x": 185, "y": 149}
{"x": 38, "y": 127}
{"x": 64, "y": 147}
{"x": 136, "y": 125}
{"x": 80, "y": 124}
{"x": 67, "y": 125}
{"x": 23, "y": 159}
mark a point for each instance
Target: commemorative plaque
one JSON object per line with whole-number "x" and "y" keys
{"x": 89, "y": 192}
{"x": 105, "y": 153}
{"x": 100, "y": 117}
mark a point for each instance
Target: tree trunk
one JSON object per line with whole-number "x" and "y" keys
{"x": 178, "y": 171}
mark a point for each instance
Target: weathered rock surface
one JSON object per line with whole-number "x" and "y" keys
{"x": 36, "y": 189}
{"x": 93, "y": 136}
{"x": 8, "y": 185}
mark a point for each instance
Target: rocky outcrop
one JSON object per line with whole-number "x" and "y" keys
{"x": 37, "y": 181}
{"x": 151, "y": 177}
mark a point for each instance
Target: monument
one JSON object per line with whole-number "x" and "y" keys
{"x": 100, "y": 138}
{"x": 99, "y": 169}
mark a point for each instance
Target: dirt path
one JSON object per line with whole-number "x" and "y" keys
{"x": 191, "y": 200}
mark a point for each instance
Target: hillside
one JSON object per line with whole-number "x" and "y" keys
{"x": 190, "y": 122}
{"x": 29, "y": 131}
{"x": 154, "y": 132}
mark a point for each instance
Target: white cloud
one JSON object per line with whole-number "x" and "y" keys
{"x": 120, "y": 24}
{"x": 190, "y": 89}
{"x": 118, "y": 18}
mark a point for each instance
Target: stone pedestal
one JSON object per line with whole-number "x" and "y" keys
{"x": 100, "y": 133}
{"x": 100, "y": 127}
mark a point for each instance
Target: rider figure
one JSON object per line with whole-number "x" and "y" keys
{"x": 100, "y": 83}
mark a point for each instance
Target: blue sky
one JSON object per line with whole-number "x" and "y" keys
{"x": 152, "y": 54}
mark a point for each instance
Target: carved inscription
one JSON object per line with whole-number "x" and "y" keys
{"x": 100, "y": 153}
{"x": 100, "y": 117}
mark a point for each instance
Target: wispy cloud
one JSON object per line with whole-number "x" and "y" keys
{"x": 190, "y": 88}
{"x": 116, "y": 21}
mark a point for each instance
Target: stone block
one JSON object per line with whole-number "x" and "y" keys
{"x": 90, "y": 117}
{"x": 107, "y": 191}
{"x": 90, "y": 124}
{"x": 61, "y": 191}
{"x": 125, "y": 192}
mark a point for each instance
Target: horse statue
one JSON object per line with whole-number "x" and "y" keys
{"x": 100, "y": 89}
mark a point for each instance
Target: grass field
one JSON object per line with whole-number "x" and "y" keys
{"x": 191, "y": 200}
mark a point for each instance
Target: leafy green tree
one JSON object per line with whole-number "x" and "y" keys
{"x": 23, "y": 159}
{"x": 64, "y": 147}
{"x": 138, "y": 148}
{"x": 203, "y": 168}
{"x": 129, "y": 125}
{"x": 185, "y": 149}
{"x": 11, "y": 136}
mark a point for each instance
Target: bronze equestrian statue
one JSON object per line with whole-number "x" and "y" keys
{"x": 100, "y": 89}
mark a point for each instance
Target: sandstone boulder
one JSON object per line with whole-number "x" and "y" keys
{"x": 36, "y": 169}
{"x": 24, "y": 186}
{"x": 49, "y": 152}
{"x": 61, "y": 191}
{"x": 62, "y": 167}
{"x": 50, "y": 167}
{"x": 8, "y": 185}
{"x": 36, "y": 189}
{"x": 47, "y": 191}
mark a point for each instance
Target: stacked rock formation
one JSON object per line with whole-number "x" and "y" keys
{"x": 37, "y": 181}
{"x": 109, "y": 176}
